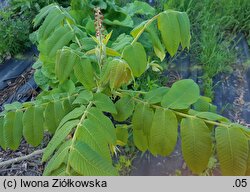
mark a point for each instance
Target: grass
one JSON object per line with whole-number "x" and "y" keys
{"x": 214, "y": 25}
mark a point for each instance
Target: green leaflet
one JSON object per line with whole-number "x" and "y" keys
{"x": 121, "y": 134}
{"x": 125, "y": 107}
{"x": 232, "y": 148}
{"x": 13, "y": 106}
{"x": 155, "y": 96}
{"x": 104, "y": 103}
{"x": 184, "y": 25}
{"x": 54, "y": 43}
{"x": 105, "y": 124}
{"x": 57, "y": 40}
{"x": 12, "y": 130}
{"x": 43, "y": 13}
{"x": 142, "y": 118}
{"x": 2, "y": 139}
{"x": 211, "y": 116}
{"x": 139, "y": 7}
{"x": 66, "y": 58}
{"x": 118, "y": 73}
{"x": 163, "y": 133}
{"x": 92, "y": 134}
{"x": 170, "y": 31}
{"x": 157, "y": 45}
{"x": 87, "y": 162}
{"x": 68, "y": 86}
{"x": 83, "y": 98}
{"x": 53, "y": 114}
{"x": 54, "y": 18}
{"x": 84, "y": 72}
{"x": 204, "y": 104}
{"x": 74, "y": 114}
{"x": 140, "y": 140}
{"x": 181, "y": 95}
{"x": 136, "y": 58}
{"x": 58, "y": 138}
{"x": 61, "y": 171}
{"x": 112, "y": 52}
{"x": 196, "y": 144}
{"x": 121, "y": 42}
{"x": 33, "y": 127}
{"x": 58, "y": 159}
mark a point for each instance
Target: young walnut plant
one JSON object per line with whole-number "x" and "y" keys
{"x": 86, "y": 88}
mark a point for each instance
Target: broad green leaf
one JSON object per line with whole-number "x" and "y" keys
{"x": 142, "y": 118}
{"x": 84, "y": 72}
{"x": 58, "y": 159}
{"x": 163, "y": 133}
{"x": 232, "y": 148}
{"x": 92, "y": 134}
{"x": 60, "y": 171}
{"x": 87, "y": 162}
{"x": 12, "y": 129}
{"x": 59, "y": 136}
{"x": 139, "y": 7}
{"x": 204, "y": 104}
{"x": 140, "y": 140}
{"x": 112, "y": 52}
{"x": 119, "y": 73}
{"x": 43, "y": 13}
{"x": 33, "y": 125}
{"x": 155, "y": 96}
{"x": 66, "y": 59}
{"x": 184, "y": 25}
{"x": 170, "y": 31}
{"x": 13, "y": 106}
{"x": 83, "y": 98}
{"x": 212, "y": 116}
{"x": 196, "y": 144}
{"x": 104, "y": 103}
{"x": 121, "y": 42}
{"x": 54, "y": 43}
{"x": 136, "y": 58}
{"x": 74, "y": 114}
{"x": 53, "y": 114}
{"x": 181, "y": 95}
{"x": 54, "y": 18}
{"x": 68, "y": 86}
{"x": 125, "y": 108}
{"x": 105, "y": 123}
{"x": 121, "y": 135}
{"x": 2, "y": 138}
{"x": 157, "y": 45}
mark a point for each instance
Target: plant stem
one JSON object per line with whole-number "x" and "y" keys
{"x": 77, "y": 40}
{"x": 144, "y": 27}
{"x": 77, "y": 127}
{"x": 18, "y": 159}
